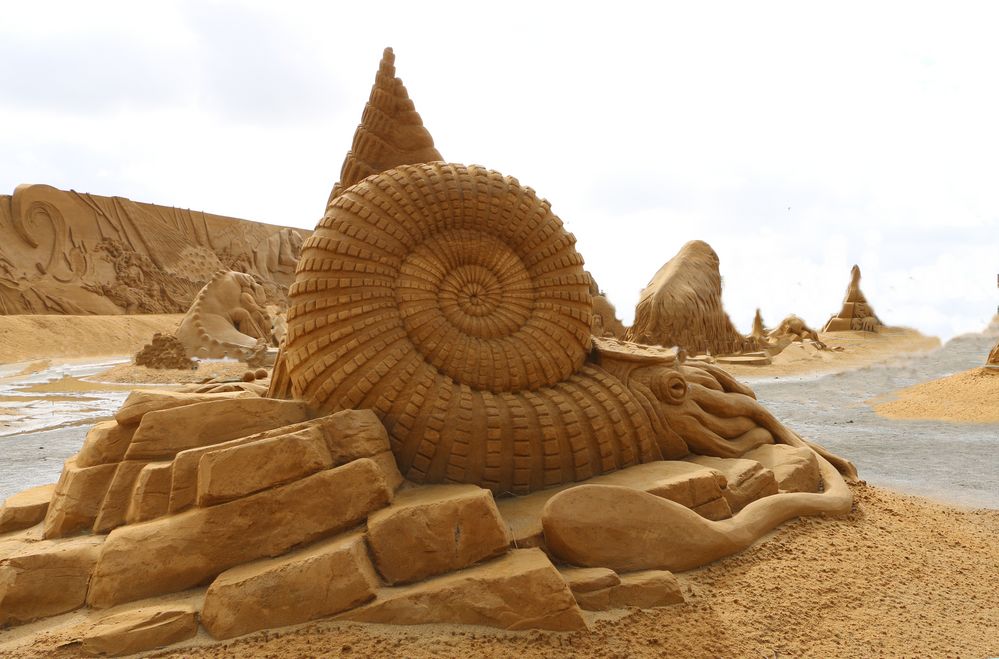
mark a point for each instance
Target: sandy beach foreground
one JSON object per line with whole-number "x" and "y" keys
{"x": 900, "y": 576}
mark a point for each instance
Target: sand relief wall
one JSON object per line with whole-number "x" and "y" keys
{"x": 443, "y": 441}
{"x": 71, "y": 253}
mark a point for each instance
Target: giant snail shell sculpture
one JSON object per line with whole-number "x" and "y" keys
{"x": 451, "y": 301}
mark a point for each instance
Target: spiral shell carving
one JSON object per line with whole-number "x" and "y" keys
{"x": 451, "y": 301}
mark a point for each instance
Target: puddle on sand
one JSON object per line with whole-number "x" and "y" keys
{"x": 953, "y": 462}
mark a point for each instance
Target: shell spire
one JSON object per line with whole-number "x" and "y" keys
{"x": 391, "y": 132}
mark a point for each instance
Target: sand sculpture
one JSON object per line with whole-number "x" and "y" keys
{"x": 165, "y": 351}
{"x": 391, "y": 131}
{"x": 856, "y": 313}
{"x": 438, "y": 331}
{"x": 71, "y": 253}
{"x": 993, "y": 359}
{"x": 228, "y": 319}
{"x": 682, "y": 306}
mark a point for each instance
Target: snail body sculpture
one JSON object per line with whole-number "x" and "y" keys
{"x": 451, "y": 301}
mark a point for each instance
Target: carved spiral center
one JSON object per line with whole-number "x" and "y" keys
{"x": 464, "y": 296}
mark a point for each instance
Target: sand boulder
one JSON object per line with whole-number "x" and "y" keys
{"x": 745, "y": 480}
{"x": 106, "y": 442}
{"x": 436, "y": 529}
{"x": 77, "y": 498}
{"x": 195, "y": 546}
{"x": 25, "y": 508}
{"x": 645, "y": 589}
{"x": 521, "y": 590}
{"x": 230, "y": 473}
{"x": 164, "y": 433}
{"x": 141, "y": 629}
{"x": 46, "y": 578}
{"x": 794, "y": 469}
{"x": 323, "y": 579}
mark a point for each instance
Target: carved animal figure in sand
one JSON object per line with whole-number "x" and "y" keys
{"x": 795, "y": 329}
{"x": 228, "y": 319}
{"x": 451, "y": 301}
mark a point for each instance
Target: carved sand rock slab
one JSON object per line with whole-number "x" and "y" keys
{"x": 521, "y": 590}
{"x": 856, "y": 313}
{"x": 24, "y": 509}
{"x": 646, "y": 589}
{"x": 194, "y": 546}
{"x": 141, "y": 629}
{"x": 682, "y": 306}
{"x": 318, "y": 581}
{"x": 46, "y": 578}
{"x": 745, "y": 480}
{"x": 432, "y": 530}
{"x": 65, "y": 252}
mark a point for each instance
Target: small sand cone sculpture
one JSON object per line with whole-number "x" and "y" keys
{"x": 994, "y": 356}
{"x": 856, "y": 313}
{"x": 391, "y": 132}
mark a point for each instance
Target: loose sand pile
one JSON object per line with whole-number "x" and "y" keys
{"x": 859, "y": 349}
{"x": 900, "y": 576}
{"x": 24, "y": 338}
{"x": 970, "y": 396}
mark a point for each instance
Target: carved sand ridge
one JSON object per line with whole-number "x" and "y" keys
{"x": 856, "y": 313}
{"x": 682, "y": 306}
{"x": 73, "y": 253}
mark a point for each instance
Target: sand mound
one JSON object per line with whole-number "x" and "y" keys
{"x": 23, "y": 338}
{"x": 682, "y": 306}
{"x": 970, "y": 396}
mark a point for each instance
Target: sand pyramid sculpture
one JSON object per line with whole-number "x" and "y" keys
{"x": 391, "y": 132}
{"x": 448, "y": 367}
{"x": 856, "y": 313}
{"x": 993, "y": 359}
{"x": 682, "y": 306}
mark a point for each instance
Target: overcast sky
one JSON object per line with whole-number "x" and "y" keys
{"x": 796, "y": 138}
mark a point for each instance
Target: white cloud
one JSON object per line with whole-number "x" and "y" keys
{"x": 795, "y": 139}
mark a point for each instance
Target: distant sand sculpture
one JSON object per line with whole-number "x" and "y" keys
{"x": 793, "y": 328}
{"x": 164, "y": 351}
{"x": 856, "y": 313}
{"x": 682, "y": 306}
{"x": 227, "y": 319}
{"x": 439, "y": 329}
{"x": 391, "y": 132}
{"x": 605, "y": 321}
{"x": 994, "y": 356}
{"x": 71, "y": 253}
